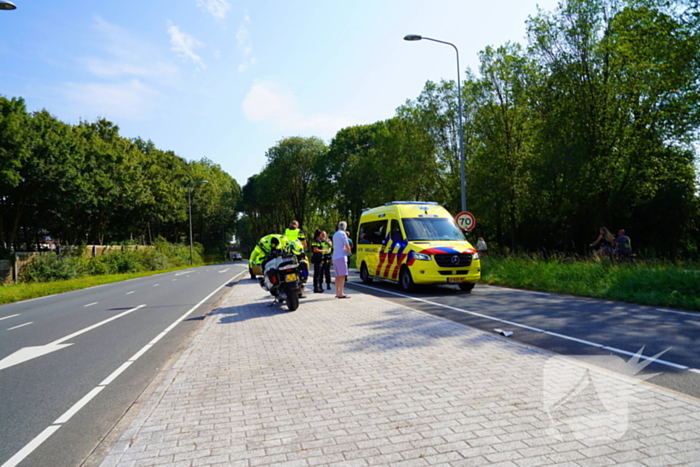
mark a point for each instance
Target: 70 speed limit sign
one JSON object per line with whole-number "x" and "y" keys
{"x": 465, "y": 220}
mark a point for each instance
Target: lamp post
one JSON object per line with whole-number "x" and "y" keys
{"x": 190, "y": 187}
{"x": 7, "y": 5}
{"x": 416, "y": 37}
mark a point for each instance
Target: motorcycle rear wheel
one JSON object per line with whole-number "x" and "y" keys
{"x": 292, "y": 301}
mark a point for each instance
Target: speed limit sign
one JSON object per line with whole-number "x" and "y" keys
{"x": 465, "y": 220}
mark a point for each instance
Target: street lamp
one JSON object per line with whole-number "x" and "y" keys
{"x": 6, "y": 5}
{"x": 190, "y": 187}
{"x": 416, "y": 37}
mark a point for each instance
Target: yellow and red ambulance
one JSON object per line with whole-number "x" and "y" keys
{"x": 415, "y": 242}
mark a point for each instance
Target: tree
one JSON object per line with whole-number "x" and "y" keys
{"x": 502, "y": 137}
{"x": 289, "y": 172}
{"x": 609, "y": 112}
{"x": 436, "y": 112}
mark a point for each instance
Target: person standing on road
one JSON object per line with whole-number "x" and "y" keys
{"x": 327, "y": 259}
{"x": 319, "y": 249}
{"x": 341, "y": 249}
{"x": 295, "y": 233}
{"x": 347, "y": 232}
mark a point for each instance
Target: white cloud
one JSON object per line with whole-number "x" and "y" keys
{"x": 183, "y": 44}
{"x": 272, "y": 105}
{"x": 121, "y": 77}
{"x": 245, "y": 45}
{"x": 217, "y": 8}
{"x": 129, "y": 100}
{"x": 125, "y": 56}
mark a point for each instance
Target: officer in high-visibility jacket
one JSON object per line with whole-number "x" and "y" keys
{"x": 295, "y": 233}
{"x": 264, "y": 247}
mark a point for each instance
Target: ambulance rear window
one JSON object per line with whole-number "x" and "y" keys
{"x": 373, "y": 232}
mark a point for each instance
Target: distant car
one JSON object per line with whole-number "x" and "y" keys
{"x": 236, "y": 257}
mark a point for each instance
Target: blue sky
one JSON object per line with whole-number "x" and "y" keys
{"x": 228, "y": 79}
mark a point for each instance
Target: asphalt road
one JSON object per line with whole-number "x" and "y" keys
{"x": 72, "y": 364}
{"x": 578, "y": 327}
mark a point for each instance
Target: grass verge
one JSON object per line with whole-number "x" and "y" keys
{"x": 662, "y": 285}
{"x": 19, "y": 292}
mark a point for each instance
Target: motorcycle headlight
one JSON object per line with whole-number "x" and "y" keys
{"x": 421, "y": 256}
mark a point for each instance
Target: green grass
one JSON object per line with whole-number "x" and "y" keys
{"x": 19, "y": 292}
{"x": 662, "y": 285}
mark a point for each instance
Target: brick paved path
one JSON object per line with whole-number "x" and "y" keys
{"x": 367, "y": 382}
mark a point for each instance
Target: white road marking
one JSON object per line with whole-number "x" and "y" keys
{"x": 156, "y": 285}
{"x": 592, "y": 344}
{"x": 97, "y": 325}
{"x": 186, "y": 271}
{"x": 129, "y": 293}
{"x": 694, "y": 370}
{"x": 90, "y": 304}
{"x": 695, "y": 315}
{"x": 31, "y": 446}
{"x": 28, "y": 353}
{"x": 8, "y": 317}
{"x": 518, "y": 290}
{"x": 221, "y": 272}
{"x": 522, "y": 326}
{"x": 20, "y": 326}
{"x": 68, "y": 414}
{"x": 44, "y": 435}
{"x": 116, "y": 373}
{"x": 657, "y": 360}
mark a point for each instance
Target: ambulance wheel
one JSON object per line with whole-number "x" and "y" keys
{"x": 292, "y": 301}
{"x": 466, "y": 286}
{"x": 364, "y": 274}
{"x": 406, "y": 281}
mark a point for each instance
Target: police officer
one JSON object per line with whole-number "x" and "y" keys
{"x": 295, "y": 233}
{"x": 327, "y": 245}
{"x": 319, "y": 249}
{"x": 278, "y": 242}
{"x": 264, "y": 247}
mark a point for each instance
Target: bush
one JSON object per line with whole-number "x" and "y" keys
{"x": 179, "y": 254}
{"x": 48, "y": 267}
{"x": 116, "y": 262}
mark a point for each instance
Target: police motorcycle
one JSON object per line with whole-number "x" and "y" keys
{"x": 282, "y": 277}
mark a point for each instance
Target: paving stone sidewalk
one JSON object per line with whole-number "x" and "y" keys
{"x": 364, "y": 381}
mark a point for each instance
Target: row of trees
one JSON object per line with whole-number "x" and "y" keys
{"x": 86, "y": 184}
{"x": 592, "y": 124}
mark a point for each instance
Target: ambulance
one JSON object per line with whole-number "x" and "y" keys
{"x": 414, "y": 243}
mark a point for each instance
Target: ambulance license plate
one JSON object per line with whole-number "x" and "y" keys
{"x": 456, "y": 279}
